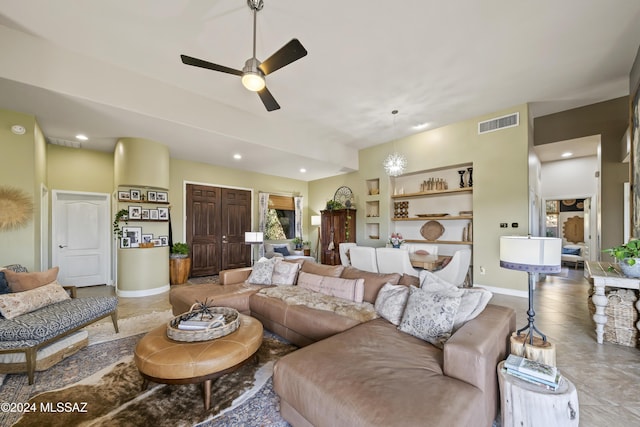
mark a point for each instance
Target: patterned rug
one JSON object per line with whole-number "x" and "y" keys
{"x": 203, "y": 280}
{"x": 100, "y": 386}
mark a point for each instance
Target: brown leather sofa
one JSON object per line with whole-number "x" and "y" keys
{"x": 369, "y": 373}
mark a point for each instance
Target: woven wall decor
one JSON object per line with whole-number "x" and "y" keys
{"x": 16, "y": 208}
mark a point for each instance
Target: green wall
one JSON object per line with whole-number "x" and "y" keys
{"x": 501, "y": 182}
{"x": 74, "y": 169}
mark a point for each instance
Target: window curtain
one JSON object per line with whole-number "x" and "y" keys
{"x": 263, "y": 209}
{"x": 298, "y": 215}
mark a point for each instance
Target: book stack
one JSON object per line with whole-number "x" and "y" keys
{"x": 533, "y": 372}
{"x": 198, "y": 325}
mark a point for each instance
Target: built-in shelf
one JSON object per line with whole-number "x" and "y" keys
{"x": 432, "y": 193}
{"x": 142, "y": 201}
{"x": 437, "y": 218}
{"x": 373, "y": 186}
{"x": 441, "y": 242}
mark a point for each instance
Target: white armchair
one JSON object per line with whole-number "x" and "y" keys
{"x": 412, "y": 247}
{"x": 364, "y": 258}
{"x": 456, "y": 271}
{"x": 392, "y": 260}
{"x": 344, "y": 253}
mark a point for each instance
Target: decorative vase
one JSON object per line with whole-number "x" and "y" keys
{"x": 630, "y": 270}
{"x": 470, "y": 181}
{"x": 461, "y": 178}
{"x": 179, "y": 269}
{"x": 396, "y": 246}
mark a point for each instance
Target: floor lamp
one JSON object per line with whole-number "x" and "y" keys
{"x": 316, "y": 221}
{"x": 533, "y": 255}
{"x": 253, "y": 238}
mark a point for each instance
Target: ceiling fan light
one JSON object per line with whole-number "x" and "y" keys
{"x": 253, "y": 81}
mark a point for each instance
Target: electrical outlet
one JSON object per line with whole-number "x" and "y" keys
{"x": 482, "y": 271}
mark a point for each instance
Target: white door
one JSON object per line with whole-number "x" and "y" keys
{"x": 80, "y": 237}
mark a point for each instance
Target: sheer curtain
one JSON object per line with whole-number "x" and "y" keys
{"x": 297, "y": 201}
{"x": 263, "y": 209}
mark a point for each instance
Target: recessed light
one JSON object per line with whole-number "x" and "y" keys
{"x": 421, "y": 126}
{"x": 237, "y": 156}
{"x": 302, "y": 170}
{"x": 81, "y": 137}
{"x": 567, "y": 154}
{"x": 18, "y": 129}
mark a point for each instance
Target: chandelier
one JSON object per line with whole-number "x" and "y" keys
{"x": 395, "y": 164}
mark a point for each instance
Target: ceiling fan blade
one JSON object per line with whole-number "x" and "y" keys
{"x": 268, "y": 100}
{"x": 188, "y": 60}
{"x": 287, "y": 54}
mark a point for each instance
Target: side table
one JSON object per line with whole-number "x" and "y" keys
{"x": 525, "y": 404}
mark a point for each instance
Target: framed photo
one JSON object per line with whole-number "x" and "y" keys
{"x": 125, "y": 243}
{"x": 151, "y": 196}
{"x": 164, "y": 240}
{"x": 153, "y": 214}
{"x": 162, "y": 196}
{"x": 146, "y": 238}
{"x": 135, "y": 212}
{"x": 156, "y": 242}
{"x": 163, "y": 214}
{"x": 134, "y": 234}
{"x": 124, "y": 195}
{"x": 145, "y": 213}
{"x": 135, "y": 194}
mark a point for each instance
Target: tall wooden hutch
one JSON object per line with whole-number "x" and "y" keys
{"x": 338, "y": 226}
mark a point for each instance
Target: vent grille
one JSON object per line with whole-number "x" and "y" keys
{"x": 64, "y": 142}
{"x": 492, "y": 125}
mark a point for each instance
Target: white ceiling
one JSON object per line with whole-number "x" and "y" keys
{"x": 112, "y": 69}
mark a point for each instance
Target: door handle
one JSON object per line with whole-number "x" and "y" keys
{"x": 62, "y": 246}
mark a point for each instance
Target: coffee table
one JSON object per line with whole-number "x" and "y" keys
{"x": 163, "y": 360}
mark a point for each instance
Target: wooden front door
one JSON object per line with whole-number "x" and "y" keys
{"x": 216, "y": 221}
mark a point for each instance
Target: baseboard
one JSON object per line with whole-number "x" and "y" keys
{"x": 143, "y": 292}
{"x": 505, "y": 291}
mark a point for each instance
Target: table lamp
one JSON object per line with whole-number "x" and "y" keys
{"x": 253, "y": 238}
{"x": 533, "y": 255}
{"x": 316, "y": 221}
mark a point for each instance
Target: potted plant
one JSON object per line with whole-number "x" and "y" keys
{"x": 306, "y": 247}
{"x": 179, "y": 263}
{"x": 121, "y": 215}
{"x": 297, "y": 241}
{"x": 628, "y": 256}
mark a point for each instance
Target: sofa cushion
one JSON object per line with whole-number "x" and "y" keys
{"x": 391, "y": 302}
{"x": 262, "y": 272}
{"x": 281, "y": 250}
{"x": 429, "y": 315}
{"x": 4, "y": 285}
{"x": 349, "y": 289}
{"x": 284, "y": 273}
{"x": 322, "y": 269}
{"x": 14, "y": 304}
{"x": 570, "y": 251}
{"x": 19, "y": 282}
{"x": 372, "y": 281}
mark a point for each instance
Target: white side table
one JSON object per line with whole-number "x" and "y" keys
{"x": 525, "y": 404}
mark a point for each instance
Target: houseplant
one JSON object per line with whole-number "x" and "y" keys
{"x": 179, "y": 263}
{"x": 121, "y": 215}
{"x": 628, "y": 256}
{"x": 396, "y": 240}
{"x": 297, "y": 241}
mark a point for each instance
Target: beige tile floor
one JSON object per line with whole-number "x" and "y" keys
{"x": 607, "y": 376}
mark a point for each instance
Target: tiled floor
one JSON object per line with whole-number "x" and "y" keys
{"x": 607, "y": 376}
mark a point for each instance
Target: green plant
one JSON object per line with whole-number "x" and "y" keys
{"x": 626, "y": 253}
{"x": 120, "y": 215}
{"x": 180, "y": 248}
{"x": 333, "y": 205}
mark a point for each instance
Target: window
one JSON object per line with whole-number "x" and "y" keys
{"x": 281, "y": 223}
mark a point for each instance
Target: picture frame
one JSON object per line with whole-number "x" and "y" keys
{"x": 162, "y": 196}
{"x": 134, "y": 234}
{"x": 125, "y": 243}
{"x": 163, "y": 214}
{"x": 135, "y": 212}
{"x": 156, "y": 242}
{"x": 146, "y": 238}
{"x": 145, "y": 214}
{"x": 135, "y": 194}
{"x": 164, "y": 240}
{"x": 124, "y": 195}
{"x": 153, "y": 214}
{"x": 151, "y": 196}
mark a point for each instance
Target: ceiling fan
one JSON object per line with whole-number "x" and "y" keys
{"x": 254, "y": 72}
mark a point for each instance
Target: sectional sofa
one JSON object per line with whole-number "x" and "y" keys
{"x": 356, "y": 364}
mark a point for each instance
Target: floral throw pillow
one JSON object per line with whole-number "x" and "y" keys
{"x": 429, "y": 316}
{"x": 284, "y": 273}
{"x": 391, "y": 301}
{"x": 262, "y": 271}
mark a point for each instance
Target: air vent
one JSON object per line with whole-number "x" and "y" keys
{"x": 64, "y": 142}
{"x": 508, "y": 121}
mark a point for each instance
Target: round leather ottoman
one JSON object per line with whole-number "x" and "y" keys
{"x": 163, "y": 360}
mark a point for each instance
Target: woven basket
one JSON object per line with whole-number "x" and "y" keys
{"x": 231, "y": 323}
{"x": 621, "y": 317}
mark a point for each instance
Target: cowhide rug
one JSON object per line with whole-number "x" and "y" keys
{"x": 114, "y": 396}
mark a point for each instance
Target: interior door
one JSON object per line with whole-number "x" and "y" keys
{"x": 81, "y": 238}
{"x": 236, "y": 219}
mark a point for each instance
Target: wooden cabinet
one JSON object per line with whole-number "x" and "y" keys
{"x": 338, "y": 226}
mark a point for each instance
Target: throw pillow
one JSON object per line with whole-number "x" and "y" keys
{"x": 322, "y": 269}
{"x": 262, "y": 271}
{"x": 473, "y": 301}
{"x": 4, "y": 285}
{"x": 281, "y": 250}
{"x": 429, "y": 316}
{"x": 19, "y": 282}
{"x": 373, "y": 282}
{"x": 432, "y": 283}
{"x": 570, "y": 251}
{"x": 348, "y": 289}
{"x": 391, "y": 302}
{"x": 14, "y": 304}
{"x": 284, "y": 273}
{"x": 16, "y": 268}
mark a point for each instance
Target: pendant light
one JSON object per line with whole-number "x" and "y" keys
{"x": 395, "y": 163}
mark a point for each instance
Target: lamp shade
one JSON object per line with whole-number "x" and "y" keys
{"x": 253, "y": 237}
{"x": 315, "y": 220}
{"x": 531, "y": 254}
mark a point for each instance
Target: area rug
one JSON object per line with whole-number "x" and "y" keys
{"x": 203, "y": 280}
{"x": 103, "y": 331}
{"x": 100, "y": 386}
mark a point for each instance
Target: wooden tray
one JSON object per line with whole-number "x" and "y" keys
{"x": 231, "y": 323}
{"x": 434, "y": 215}
{"x": 432, "y": 230}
